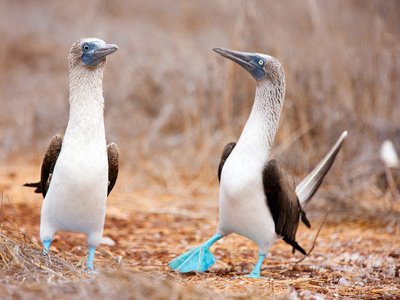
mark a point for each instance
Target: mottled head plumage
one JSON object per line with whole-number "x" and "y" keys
{"x": 90, "y": 52}
{"x": 273, "y": 68}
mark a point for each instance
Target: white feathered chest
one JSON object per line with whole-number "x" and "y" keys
{"x": 76, "y": 199}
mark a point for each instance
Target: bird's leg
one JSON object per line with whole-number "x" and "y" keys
{"x": 46, "y": 246}
{"x": 256, "y": 271}
{"x": 206, "y": 245}
{"x": 198, "y": 259}
{"x": 89, "y": 264}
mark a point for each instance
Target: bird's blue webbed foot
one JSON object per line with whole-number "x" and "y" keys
{"x": 89, "y": 265}
{"x": 198, "y": 259}
{"x": 46, "y": 246}
{"x": 256, "y": 271}
{"x": 253, "y": 275}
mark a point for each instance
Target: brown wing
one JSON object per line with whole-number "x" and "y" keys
{"x": 113, "y": 162}
{"x": 225, "y": 154}
{"x": 279, "y": 188}
{"x": 48, "y": 163}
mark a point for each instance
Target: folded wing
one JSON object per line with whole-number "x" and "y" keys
{"x": 113, "y": 163}
{"x": 225, "y": 154}
{"x": 281, "y": 198}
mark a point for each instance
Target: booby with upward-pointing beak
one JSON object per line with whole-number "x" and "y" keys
{"x": 258, "y": 198}
{"x": 79, "y": 170}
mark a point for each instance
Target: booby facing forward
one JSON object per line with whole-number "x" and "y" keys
{"x": 79, "y": 170}
{"x": 258, "y": 199}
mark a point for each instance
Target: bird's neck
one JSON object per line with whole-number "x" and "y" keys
{"x": 262, "y": 125}
{"x": 86, "y": 100}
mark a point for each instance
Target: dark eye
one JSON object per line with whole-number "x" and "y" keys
{"x": 86, "y": 47}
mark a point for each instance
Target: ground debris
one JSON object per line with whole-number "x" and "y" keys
{"x": 23, "y": 261}
{"x": 344, "y": 265}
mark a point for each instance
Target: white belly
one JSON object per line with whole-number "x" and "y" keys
{"x": 242, "y": 207}
{"x": 76, "y": 199}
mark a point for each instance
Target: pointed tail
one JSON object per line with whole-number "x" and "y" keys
{"x": 36, "y": 185}
{"x": 309, "y": 185}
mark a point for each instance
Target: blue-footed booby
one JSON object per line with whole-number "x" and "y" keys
{"x": 79, "y": 170}
{"x": 258, "y": 199}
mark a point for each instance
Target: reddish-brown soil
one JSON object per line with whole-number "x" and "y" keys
{"x": 353, "y": 259}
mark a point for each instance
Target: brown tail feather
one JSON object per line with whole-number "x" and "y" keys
{"x": 304, "y": 219}
{"x": 36, "y": 185}
{"x": 295, "y": 246}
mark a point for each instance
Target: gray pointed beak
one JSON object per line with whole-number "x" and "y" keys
{"x": 245, "y": 59}
{"x": 105, "y": 50}
{"x": 242, "y": 58}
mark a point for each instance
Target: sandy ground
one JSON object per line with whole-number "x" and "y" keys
{"x": 351, "y": 259}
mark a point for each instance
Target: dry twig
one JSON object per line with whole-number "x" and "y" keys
{"x": 312, "y": 246}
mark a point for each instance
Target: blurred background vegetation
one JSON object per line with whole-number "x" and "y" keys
{"x": 172, "y": 103}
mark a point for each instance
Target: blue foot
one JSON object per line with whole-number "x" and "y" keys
{"x": 253, "y": 275}
{"x": 256, "y": 271}
{"x": 46, "y": 246}
{"x": 91, "y": 271}
{"x": 89, "y": 265}
{"x": 198, "y": 259}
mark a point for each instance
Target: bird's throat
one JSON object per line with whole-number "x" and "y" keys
{"x": 86, "y": 102}
{"x": 262, "y": 125}
{"x": 86, "y": 82}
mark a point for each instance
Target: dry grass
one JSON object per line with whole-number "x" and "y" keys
{"x": 171, "y": 105}
{"x": 167, "y": 91}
